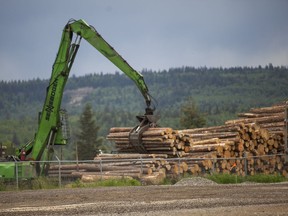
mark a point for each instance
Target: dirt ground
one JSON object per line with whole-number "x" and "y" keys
{"x": 206, "y": 200}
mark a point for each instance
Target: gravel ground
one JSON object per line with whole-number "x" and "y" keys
{"x": 188, "y": 197}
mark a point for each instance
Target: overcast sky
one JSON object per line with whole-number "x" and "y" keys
{"x": 149, "y": 34}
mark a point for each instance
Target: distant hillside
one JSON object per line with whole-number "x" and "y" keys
{"x": 220, "y": 93}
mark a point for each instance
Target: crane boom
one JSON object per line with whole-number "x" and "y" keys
{"x": 81, "y": 28}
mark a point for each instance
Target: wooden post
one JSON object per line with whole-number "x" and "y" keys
{"x": 101, "y": 170}
{"x": 141, "y": 172}
{"x": 0, "y": 149}
{"x": 286, "y": 132}
{"x": 245, "y": 163}
{"x": 77, "y": 161}
{"x": 59, "y": 171}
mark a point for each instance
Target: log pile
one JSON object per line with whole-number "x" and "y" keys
{"x": 254, "y": 143}
{"x": 155, "y": 141}
{"x": 247, "y": 140}
{"x": 2, "y": 150}
{"x": 254, "y": 135}
{"x": 115, "y": 166}
{"x": 270, "y": 118}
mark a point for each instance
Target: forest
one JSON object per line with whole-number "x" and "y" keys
{"x": 220, "y": 93}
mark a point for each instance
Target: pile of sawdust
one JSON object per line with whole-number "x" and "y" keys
{"x": 195, "y": 181}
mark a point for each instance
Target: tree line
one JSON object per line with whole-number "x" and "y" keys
{"x": 219, "y": 93}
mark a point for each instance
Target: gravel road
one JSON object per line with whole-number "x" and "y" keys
{"x": 180, "y": 199}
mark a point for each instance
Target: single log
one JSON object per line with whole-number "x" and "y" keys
{"x": 206, "y": 141}
{"x": 268, "y": 119}
{"x": 91, "y": 178}
{"x": 205, "y": 148}
{"x": 272, "y": 109}
{"x": 222, "y": 135}
{"x": 259, "y": 115}
{"x": 222, "y": 128}
{"x": 129, "y": 156}
{"x": 120, "y": 129}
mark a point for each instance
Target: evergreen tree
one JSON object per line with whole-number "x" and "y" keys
{"x": 88, "y": 143}
{"x": 15, "y": 139}
{"x": 190, "y": 116}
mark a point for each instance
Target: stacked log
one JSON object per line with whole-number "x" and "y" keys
{"x": 114, "y": 166}
{"x": 2, "y": 150}
{"x": 219, "y": 139}
{"x": 254, "y": 143}
{"x": 270, "y": 118}
{"x": 258, "y": 133}
{"x": 270, "y": 122}
{"x": 155, "y": 141}
{"x": 247, "y": 141}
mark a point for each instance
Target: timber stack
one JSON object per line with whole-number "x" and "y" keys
{"x": 2, "y": 150}
{"x": 253, "y": 143}
{"x": 155, "y": 141}
{"x": 257, "y": 136}
{"x": 148, "y": 167}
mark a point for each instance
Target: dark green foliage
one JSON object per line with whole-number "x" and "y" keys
{"x": 190, "y": 117}
{"x": 88, "y": 142}
{"x": 220, "y": 93}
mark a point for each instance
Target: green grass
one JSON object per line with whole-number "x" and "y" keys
{"x": 50, "y": 183}
{"x": 106, "y": 183}
{"x": 42, "y": 183}
{"x": 225, "y": 178}
{"x": 30, "y": 184}
{"x": 234, "y": 179}
{"x": 261, "y": 178}
{"x": 2, "y": 185}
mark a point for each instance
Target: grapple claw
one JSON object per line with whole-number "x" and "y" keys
{"x": 135, "y": 135}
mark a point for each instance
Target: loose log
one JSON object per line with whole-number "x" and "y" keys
{"x": 267, "y": 110}
{"x": 269, "y": 119}
{"x": 91, "y": 178}
{"x": 206, "y": 141}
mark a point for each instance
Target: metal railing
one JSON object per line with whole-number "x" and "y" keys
{"x": 64, "y": 171}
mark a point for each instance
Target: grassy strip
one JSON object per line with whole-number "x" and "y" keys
{"x": 261, "y": 178}
{"x": 30, "y": 184}
{"x": 50, "y": 183}
{"x": 234, "y": 179}
{"x": 106, "y": 183}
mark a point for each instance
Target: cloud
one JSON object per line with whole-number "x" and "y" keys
{"x": 148, "y": 34}
{"x": 10, "y": 68}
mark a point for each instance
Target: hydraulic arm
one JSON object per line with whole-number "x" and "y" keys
{"x": 51, "y": 129}
{"x": 82, "y": 29}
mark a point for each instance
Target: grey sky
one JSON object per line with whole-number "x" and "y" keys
{"x": 150, "y": 34}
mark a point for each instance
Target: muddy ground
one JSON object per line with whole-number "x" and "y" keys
{"x": 240, "y": 199}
